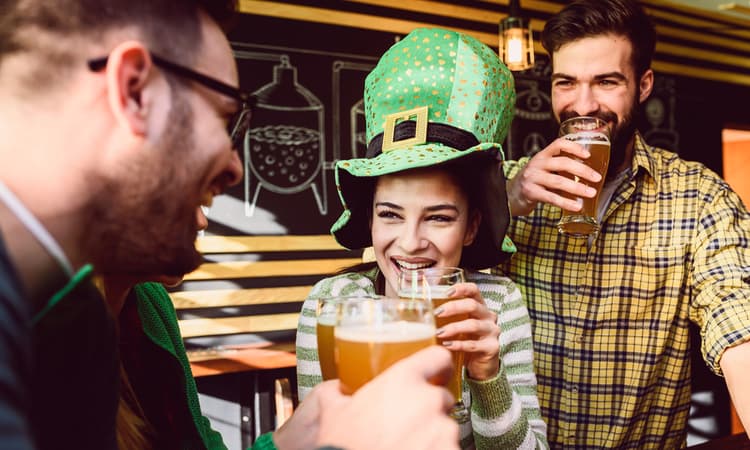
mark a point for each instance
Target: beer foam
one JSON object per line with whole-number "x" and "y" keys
{"x": 401, "y": 331}
{"x": 588, "y": 137}
{"x": 327, "y": 320}
{"x": 440, "y": 291}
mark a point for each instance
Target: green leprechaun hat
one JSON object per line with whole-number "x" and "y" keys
{"x": 436, "y": 97}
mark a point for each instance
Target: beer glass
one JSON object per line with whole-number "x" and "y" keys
{"x": 373, "y": 333}
{"x": 593, "y": 134}
{"x": 327, "y": 313}
{"x": 433, "y": 284}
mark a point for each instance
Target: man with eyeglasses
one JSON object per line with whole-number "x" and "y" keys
{"x": 114, "y": 131}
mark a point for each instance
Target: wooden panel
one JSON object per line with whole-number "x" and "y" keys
{"x": 700, "y": 72}
{"x": 735, "y": 8}
{"x": 351, "y": 19}
{"x": 725, "y": 38}
{"x": 254, "y": 269}
{"x": 494, "y": 16}
{"x": 215, "y": 298}
{"x": 255, "y": 356}
{"x": 440, "y": 8}
{"x": 234, "y": 325}
{"x": 741, "y": 45}
{"x": 225, "y": 351}
{"x": 252, "y": 244}
{"x": 689, "y": 19}
{"x": 704, "y": 55}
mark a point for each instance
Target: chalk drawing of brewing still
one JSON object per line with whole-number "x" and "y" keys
{"x": 359, "y": 137}
{"x": 285, "y": 147}
{"x": 348, "y": 79}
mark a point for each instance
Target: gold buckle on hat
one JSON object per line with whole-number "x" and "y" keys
{"x": 420, "y": 134}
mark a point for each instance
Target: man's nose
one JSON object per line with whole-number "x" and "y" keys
{"x": 586, "y": 103}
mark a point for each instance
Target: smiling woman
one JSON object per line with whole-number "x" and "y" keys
{"x": 430, "y": 193}
{"x": 421, "y": 219}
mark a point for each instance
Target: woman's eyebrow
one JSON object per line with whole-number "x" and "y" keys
{"x": 442, "y": 206}
{"x": 389, "y": 205}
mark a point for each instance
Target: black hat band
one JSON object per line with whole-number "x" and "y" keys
{"x": 438, "y": 133}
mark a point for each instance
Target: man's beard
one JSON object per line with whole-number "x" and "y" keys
{"x": 620, "y": 134}
{"x": 145, "y": 226}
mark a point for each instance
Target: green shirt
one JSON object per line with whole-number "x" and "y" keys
{"x": 159, "y": 323}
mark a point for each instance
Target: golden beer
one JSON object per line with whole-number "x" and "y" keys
{"x": 438, "y": 294}
{"x": 584, "y": 222}
{"x": 454, "y": 385}
{"x": 364, "y": 351}
{"x": 324, "y": 332}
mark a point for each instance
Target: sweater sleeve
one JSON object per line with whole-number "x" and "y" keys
{"x": 505, "y": 410}
{"x": 308, "y": 362}
{"x": 159, "y": 319}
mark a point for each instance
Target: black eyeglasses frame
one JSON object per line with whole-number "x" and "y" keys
{"x": 246, "y": 100}
{"x": 98, "y": 64}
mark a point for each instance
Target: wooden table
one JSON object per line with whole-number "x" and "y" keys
{"x": 246, "y": 375}
{"x": 732, "y": 442}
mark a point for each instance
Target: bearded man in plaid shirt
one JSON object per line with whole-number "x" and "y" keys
{"x": 611, "y": 312}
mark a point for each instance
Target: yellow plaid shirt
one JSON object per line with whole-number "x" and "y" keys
{"x": 610, "y": 321}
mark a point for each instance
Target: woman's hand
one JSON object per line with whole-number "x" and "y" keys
{"x": 477, "y": 335}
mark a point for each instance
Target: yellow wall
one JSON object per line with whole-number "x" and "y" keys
{"x": 737, "y": 162}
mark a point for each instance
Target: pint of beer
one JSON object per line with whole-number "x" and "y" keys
{"x": 438, "y": 296}
{"x": 593, "y": 134}
{"x": 328, "y": 312}
{"x": 373, "y": 334}
{"x": 434, "y": 284}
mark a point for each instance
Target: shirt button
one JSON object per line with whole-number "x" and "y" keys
{"x": 574, "y": 389}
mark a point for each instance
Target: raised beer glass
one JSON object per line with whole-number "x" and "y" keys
{"x": 434, "y": 284}
{"x": 372, "y": 334}
{"x": 593, "y": 134}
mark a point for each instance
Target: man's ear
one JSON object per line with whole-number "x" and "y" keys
{"x": 129, "y": 67}
{"x": 646, "y": 85}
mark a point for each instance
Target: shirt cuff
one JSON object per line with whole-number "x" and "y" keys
{"x": 491, "y": 397}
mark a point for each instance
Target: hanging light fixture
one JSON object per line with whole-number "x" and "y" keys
{"x": 516, "y": 40}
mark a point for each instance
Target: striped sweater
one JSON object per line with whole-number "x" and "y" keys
{"x": 504, "y": 410}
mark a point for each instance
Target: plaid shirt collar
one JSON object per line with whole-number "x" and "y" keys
{"x": 642, "y": 157}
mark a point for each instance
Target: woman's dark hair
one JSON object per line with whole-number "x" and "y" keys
{"x": 588, "y": 18}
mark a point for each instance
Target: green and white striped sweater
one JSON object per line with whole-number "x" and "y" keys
{"x": 504, "y": 410}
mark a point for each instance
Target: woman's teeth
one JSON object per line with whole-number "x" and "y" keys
{"x": 412, "y": 266}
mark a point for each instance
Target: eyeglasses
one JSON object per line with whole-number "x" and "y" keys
{"x": 240, "y": 121}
